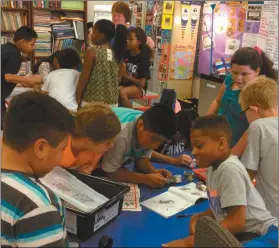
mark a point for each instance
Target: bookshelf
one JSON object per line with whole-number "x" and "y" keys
{"x": 28, "y": 11}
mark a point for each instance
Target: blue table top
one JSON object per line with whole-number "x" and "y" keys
{"x": 147, "y": 228}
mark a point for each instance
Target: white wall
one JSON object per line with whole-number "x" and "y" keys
{"x": 90, "y": 8}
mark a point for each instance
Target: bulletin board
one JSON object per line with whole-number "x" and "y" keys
{"x": 237, "y": 25}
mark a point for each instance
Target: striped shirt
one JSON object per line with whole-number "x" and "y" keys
{"x": 31, "y": 215}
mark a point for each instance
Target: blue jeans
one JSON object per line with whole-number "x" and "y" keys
{"x": 270, "y": 239}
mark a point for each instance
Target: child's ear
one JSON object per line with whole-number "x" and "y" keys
{"x": 41, "y": 149}
{"x": 223, "y": 143}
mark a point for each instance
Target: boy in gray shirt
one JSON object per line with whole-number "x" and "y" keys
{"x": 234, "y": 201}
{"x": 259, "y": 99}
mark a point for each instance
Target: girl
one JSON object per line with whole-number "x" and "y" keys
{"x": 246, "y": 64}
{"x": 61, "y": 83}
{"x": 99, "y": 79}
{"x": 136, "y": 69}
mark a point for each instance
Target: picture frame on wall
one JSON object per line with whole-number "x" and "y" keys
{"x": 168, "y": 7}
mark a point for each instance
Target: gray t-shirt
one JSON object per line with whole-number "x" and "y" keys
{"x": 261, "y": 155}
{"x": 229, "y": 185}
{"x": 125, "y": 146}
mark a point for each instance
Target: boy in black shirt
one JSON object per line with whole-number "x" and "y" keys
{"x": 23, "y": 42}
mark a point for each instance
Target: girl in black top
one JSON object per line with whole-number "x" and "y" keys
{"x": 135, "y": 70}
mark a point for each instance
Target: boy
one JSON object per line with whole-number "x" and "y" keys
{"x": 96, "y": 127}
{"x": 259, "y": 100}
{"x": 23, "y": 42}
{"x": 140, "y": 134}
{"x": 234, "y": 201}
{"x": 36, "y": 130}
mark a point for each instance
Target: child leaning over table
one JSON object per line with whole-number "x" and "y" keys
{"x": 96, "y": 127}
{"x": 140, "y": 134}
{"x": 259, "y": 101}
{"x": 234, "y": 201}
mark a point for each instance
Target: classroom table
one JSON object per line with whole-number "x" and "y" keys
{"x": 149, "y": 229}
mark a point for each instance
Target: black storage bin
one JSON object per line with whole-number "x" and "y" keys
{"x": 84, "y": 225}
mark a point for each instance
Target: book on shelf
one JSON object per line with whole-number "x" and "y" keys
{"x": 5, "y": 39}
{"x": 11, "y": 21}
{"x": 72, "y": 190}
{"x": 63, "y": 30}
{"x": 47, "y": 4}
{"x": 175, "y": 200}
{"x": 14, "y": 4}
{"x": 70, "y": 16}
{"x": 78, "y": 30}
{"x": 72, "y": 5}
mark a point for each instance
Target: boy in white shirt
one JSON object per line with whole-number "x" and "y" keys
{"x": 234, "y": 201}
{"x": 61, "y": 83}
{"x": 259, "y": 101}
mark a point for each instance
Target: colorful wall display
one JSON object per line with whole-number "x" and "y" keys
{"x": 185, "y": 15}
{"x": 238, "y": 25}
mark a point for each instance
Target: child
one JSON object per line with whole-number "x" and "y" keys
{"x": 61, "y": 83}
{"x": 121, "y": 14}
{"x": 23, "y": 42}
{"x": 140, "y": 134}
{"x": 99, "y": 79}
{"x": 136, "y": 71}
{"x": 246, "y": 64}
{"x": 45, "y": 66}
{"x": 36, "y": 130}
{"x": 259, "y": 100}
{"x": 96, "y": 127}
{"x": 234, "y": 201}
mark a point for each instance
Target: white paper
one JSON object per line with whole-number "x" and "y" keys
{"x": 249, "y": 40}
{"x": 132, "y": 198}
{"x": 232, "y": 46}
{"x": 104, "y": 216}
{"x": 72, "y": 190}
{"x": 167, "y": 204}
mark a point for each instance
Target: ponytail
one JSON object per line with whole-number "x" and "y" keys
{"x": 120, "y": 43}
{"x": 146, "y": 50}
{"x": 255, "y": 58}
{"x": 49, "y": 60}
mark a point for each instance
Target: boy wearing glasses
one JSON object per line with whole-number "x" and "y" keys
{"x": 259, "y": 101}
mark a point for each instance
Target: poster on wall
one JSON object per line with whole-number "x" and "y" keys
{"x": 182, "y": 64}
{"x": 195, "y": 15}
{"x": 167, "y": 21}
{"x": 168, "y": 7}
{"x": 185, "y": 15}
{"x": 164, "y": 62}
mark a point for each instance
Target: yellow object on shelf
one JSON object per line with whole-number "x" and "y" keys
{"x": 73, "y": 5}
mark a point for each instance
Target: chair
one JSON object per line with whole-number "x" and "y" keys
{"x": 210, "y": 234}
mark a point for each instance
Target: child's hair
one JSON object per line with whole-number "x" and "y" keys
{"x": 255, "y": 58}
{"x": 96, "y": 121}
{"x": 214, "y": 126}
{"x": 48, "y": 59}
{"x": 141, "y": 36}
{"x": 123, "y": 8}
{"x": 32, "y": 116}
{"x": 261, "y": 91}
{"x": 25, "y": 33}
{"x": 160, "y": 119}
{"x": 68, "y": 58}
{"x": 120, "y": 33}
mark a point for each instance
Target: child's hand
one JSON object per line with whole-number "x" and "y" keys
{"x": 193, "y": 223}
{"x": 165, "y": 173}
{"x": 34, "y": 80}
{"x": 183, "y": 160}
{"x": 155, "y": 180}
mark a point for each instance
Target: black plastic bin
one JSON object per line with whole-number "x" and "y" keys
{"x": 84, "y": 225}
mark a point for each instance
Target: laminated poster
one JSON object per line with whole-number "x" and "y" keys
{"x": 167, "y": 21}
{"x": 185, "y": 16}
{"x": 168, "y": 7}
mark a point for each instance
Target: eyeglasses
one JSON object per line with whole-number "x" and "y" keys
{"x": 244, "y": 110}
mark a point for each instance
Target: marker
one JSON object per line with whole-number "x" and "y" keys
{"x": 185, "y": 215}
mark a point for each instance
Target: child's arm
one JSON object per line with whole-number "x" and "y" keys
{"x": 240, "y": 146}
{"x": 29, "y": 80}
{"x": 122, "y": 72}
{"x": 89, "y": 62}
{"x": 215, "y": 105}
{"x": 140, "y": 82}
{"x": 181, "y": 160}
